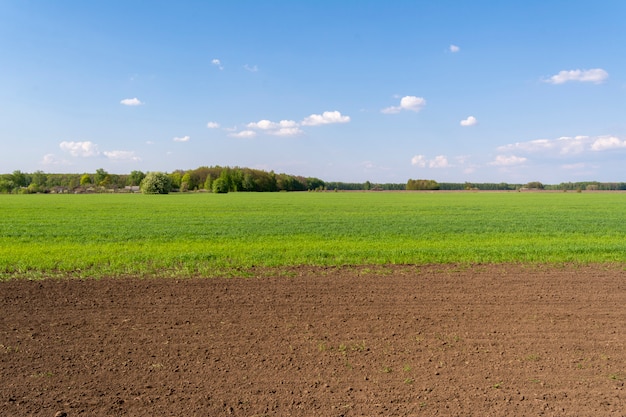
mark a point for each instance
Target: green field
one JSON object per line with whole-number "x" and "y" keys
{"x": 208, "y": 234}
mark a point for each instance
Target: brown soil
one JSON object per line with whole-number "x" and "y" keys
{"x": 391, "y": 341}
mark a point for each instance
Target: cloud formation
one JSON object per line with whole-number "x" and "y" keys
{"x": 288, "y": 127}
{"x": 504, "y": 160}
{"x": 440, "y": 161}
{"x": 470, "y": 121}
{"x": 411, "y": 103}
{"x": 51, "y": 159}
{"x": 122, "y": 155}
{"x": 282, "y": 128}
{"x": 131, "y": 102}
{"x": 243, "y": 134}
{"x": 566, "y": 145}
{"x": 420, "y": 161}
{"x": 80, "y": 149}
{"x": 87, "y": 149}
{"x": 596, "y": 76}
{"x": 181, "y": 139}
{"x": 328, "y": 117}
{"x": 217, "y": 63}
{"x": 252, "y": 68}
{"x": 604, "y": 143}
{"x": 454, "y": 48}
{"x": 212, "y": 125}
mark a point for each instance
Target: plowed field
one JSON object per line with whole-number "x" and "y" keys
{"x": 508, "y": 340}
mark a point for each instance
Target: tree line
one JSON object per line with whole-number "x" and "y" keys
{"x": 216, "y": 178}
{"x": 232, "y": 179}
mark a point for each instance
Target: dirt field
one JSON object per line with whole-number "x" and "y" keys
{"x": 396, "y": 341}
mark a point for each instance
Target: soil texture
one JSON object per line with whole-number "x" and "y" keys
{"x": 514, "y": 340}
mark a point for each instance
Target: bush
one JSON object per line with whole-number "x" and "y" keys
{"x": 156, "y": 183}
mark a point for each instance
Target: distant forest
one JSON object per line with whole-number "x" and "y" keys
{"x": 236, "y": 179}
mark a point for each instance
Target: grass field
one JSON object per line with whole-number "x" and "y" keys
{"x": 209, "y": 234}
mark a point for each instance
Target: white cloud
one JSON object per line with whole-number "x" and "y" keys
{"x": 212, "y": 125}
{"x": 596, "y": 76}
{"x": 470, "y": 121}
{"x": 563, "y": 145}
{"x": 52, "y": 159}
{"x": 571, "y": 145}
{"x": 243, "y": 134}
{"x": 287, "y": 131}
{"x": 566, "y": 145}
{"x": 419, "y": 161}
{"x": 440, "y": 161}
{"x": 80, "y": 149}
{"x": 454, "y": 48}
{"x": 122, "y": 155}
{"x": 503, "y": 160}
{"x": 216, "y": 62}
{"x": 131, "y": 102}
{"x": 410, "y": 103}
{"x": 253, "y": 68}
{"x": 287, "y": 123}
{"x": 181, "y": 139}
{"x": 289, "y": 127}
{"x": 604, "y": 143}
{"x": 282, "y": 128}
{"x": 327, "y": 117}
{"x": 263, "y": 125}
{"x": 391, "y": 110}
{"x": 576, "y": 166}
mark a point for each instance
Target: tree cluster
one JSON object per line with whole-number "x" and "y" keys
{"x": 219, "y": 179}
{"x": 214, "y": 179}
{"x": 41, "y": 182}
{"x": 422, "y": 185}
{"x": 227, "y": 179}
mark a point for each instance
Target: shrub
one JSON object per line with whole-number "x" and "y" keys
{"x": 156, "y": 183}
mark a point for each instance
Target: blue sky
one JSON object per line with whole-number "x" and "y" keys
{"x": 454, "y": 91}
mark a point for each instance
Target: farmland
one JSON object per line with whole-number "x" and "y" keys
{"x": 202, "y": 234}
{"x": 318, "y": 304}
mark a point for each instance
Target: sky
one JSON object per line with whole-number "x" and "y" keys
{"x": 351, "y": 91}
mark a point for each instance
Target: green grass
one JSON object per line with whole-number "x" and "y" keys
{"x": 209, "y": 234}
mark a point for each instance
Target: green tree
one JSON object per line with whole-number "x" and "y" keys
{"x": 156, "y": 183}
{"x": 315, "y": 183}
{"x": 20, "y": 179}
{"x": 185, "y": 182}
{"x": 135, "y": 178}
{"x": 6, "y": 185}
{"x": 535, "y": 185}
{"x": 39, "y": 178}
{"x": 208, "y": 183}
{"x": 248, "y": 184}
{"x": 101, "y": 177}
{"x": 175, "y": 179}
{"x": 220, "y": 186}
{"x": 226, "y": 177}
{"x": 422, "y": 185}
{"x": 85, "y": 179}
